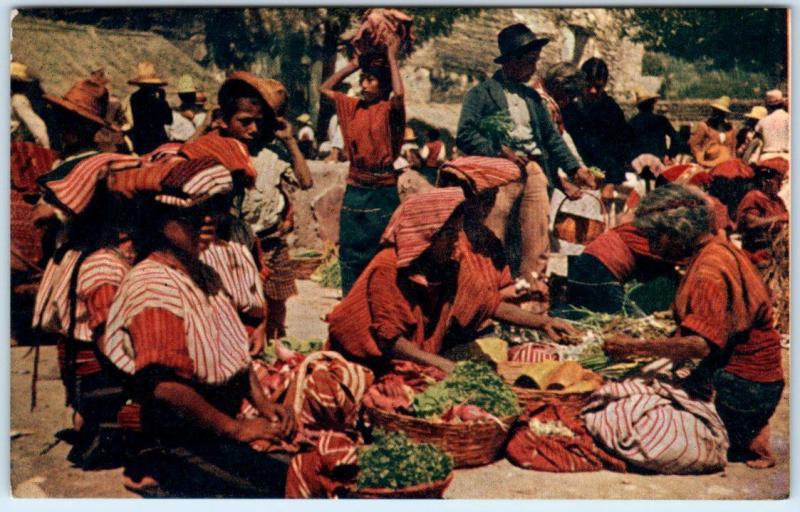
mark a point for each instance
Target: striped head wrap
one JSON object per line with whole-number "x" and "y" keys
{"x": 230, "y": 152}
{"x": 416, "y": 221}
{"x": 480, "y": 173}
{"x": 192, "y": 182}
{"x": 72, "y": 187}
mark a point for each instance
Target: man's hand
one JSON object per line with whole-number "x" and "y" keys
{"x": 585, "y": 178}
{"x": 510, "y": 154}
{"x": 555, "y": 328}
{"x": 620, "y": 347}
{"x": 284, "y": 130}
{"x": 571, "y": 190}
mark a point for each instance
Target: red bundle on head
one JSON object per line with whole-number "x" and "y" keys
{"x": 732, "y": 169}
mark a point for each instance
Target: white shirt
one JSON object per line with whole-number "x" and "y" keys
{"x": 522, "y": 134}
{"x": 774, "y": 130}
{"x": 306, "y": 133}
{"x": 335, "y": 133}
{"x": 181, "y": 128}
{"x": 22, "y": 113}
{"x": 264, "y": 202}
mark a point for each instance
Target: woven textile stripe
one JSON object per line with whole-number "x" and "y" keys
{"x": 311, "y": 474}
{"x": 416, "y": 221}
{"x": 51, "y": 308}
{"x": 673, "y": 434}
{"x": 202, "y": 185}
{"x": 103, "y": 268}
{"x": 237, "y": 269}
{"x": 215, "y": 339}
{"x": 231, "y": 153}
{"x": 75, "y": 190}
{"x": 483, "y": 173}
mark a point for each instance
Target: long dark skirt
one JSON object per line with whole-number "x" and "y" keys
{"x": 365, "y": 214}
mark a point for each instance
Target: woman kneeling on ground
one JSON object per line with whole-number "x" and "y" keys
{"x": 419, "y": 296}
{"x": 725, "y": 316}
{"x": 176, "y": 331}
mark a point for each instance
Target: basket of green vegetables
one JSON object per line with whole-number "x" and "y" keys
{"x": 394, "y": 466}
{"x": 468, "y": 414}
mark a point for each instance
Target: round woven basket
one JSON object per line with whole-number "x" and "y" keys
{"x": 511, "y": 371}
{"x": 470, "y": 444}
{"x": 304, "y": 267}
{"x": 430, "y": 490}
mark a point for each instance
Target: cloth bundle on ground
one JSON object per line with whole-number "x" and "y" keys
{"x": 327, "y": 470}
{"x": 324, "y": 391}
{"x": 558, "y": 451}
{"x": 376, "y": 24}
{"x": 656, "y": 426}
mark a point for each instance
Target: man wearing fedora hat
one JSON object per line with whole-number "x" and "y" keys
{"x": 650, "y": 130}
{"x": 539, "y": 148}
{"x": 149, "y": 109}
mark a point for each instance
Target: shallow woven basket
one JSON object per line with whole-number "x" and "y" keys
{"x": 304, "y": 267}
{"x": 430, "y": 490}
{"x": 470, "y": 444}
{"x": 510, "y": 371}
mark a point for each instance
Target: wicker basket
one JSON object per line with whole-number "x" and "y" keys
{"x": 470, "y": 444}
{"x": 431, "y": 490}
{"x": 304, "y": 267}
{"x": 579, "y": 230}
{"x": 511, "y": 371}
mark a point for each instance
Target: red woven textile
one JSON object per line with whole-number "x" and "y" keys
{"x": 556, "y": 453}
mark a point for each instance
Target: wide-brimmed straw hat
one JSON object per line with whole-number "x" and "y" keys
{"x": 303, "y": 118}
{"x": 88, "y": 99}
{"x": 642, "y": 96}
{"x": 409, "y": 135}
{"x": 516, "y": 40}
{"x": 146, "y": 75}
{"x": 185, "y": 85}
{"x": 723, "y": 104}
{"x": 19, "y": 71}
{"x": 758, "y": 112}
{"x": 774, "y": 98}
{"x": 271, "y": 91}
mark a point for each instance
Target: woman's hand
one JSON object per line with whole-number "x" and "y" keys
{"x": 585, "y": 178}
{"x": 556, "y": 328}
{"x": 283, "y": 129}
{"x": 510, "y": 154}
{"x": 281, "y": 417}
{"x": 276, "y": 423}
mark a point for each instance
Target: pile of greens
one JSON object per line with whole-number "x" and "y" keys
{"x": 328, "y": 274}
{"x": 497, "y": 128}
{"x": 393, "y": 461}
{"x": 472, "y": 383}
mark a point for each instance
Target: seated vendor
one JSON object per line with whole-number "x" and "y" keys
{"x": 762, "y": 213}
{"x": 725, "y": 319}
{"x": 177, "y": 333}
{"x": 419, "y": 296}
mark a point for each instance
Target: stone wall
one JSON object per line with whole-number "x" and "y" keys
{"x": 316, "y": 210}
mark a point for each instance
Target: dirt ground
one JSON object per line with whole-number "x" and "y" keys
{"x": 39, "y": 469}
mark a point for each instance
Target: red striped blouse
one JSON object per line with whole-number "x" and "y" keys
{"x": 162, "y": 316}
{"x": 236, "y": 267}
{"x": 723, "y": 299}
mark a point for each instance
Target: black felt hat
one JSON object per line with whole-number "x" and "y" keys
{"x": 517, "y": 39}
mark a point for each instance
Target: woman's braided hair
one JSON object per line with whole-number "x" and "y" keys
{"x": 681, "y": 213}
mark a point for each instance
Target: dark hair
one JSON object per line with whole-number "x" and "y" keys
{"x": 564, "y": 77}
{"x": 595, "y": 70}
{"x": 433, "y": 134}
{"x": 187, "y": 97}
{"x": 232, "y": 92}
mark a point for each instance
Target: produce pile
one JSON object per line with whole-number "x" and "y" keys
{"x": 393, "y": 461}
{"x": 471, "y": 383}
{"x": 328, "y": 274}
{"x": 588, "y": 347}
{"x": 776, "y": 275}
{"x": 549, "y": 428}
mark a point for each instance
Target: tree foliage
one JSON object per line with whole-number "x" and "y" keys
{"x": 748, "y": 39}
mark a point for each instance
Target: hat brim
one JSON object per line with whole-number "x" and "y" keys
{"x": 648, "y": 98}
{"x": 147, "y": 81}
{"x": 20, "y": 78}
{"x": 250, "y": 82}
{"x": 720, "y": 108}
{"x": 77, "y": 109}
{"x": 775, "y": 103}
{"x": 536, "y": 44}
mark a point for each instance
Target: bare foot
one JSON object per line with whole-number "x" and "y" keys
{"x": 77, "y": 421}
{"x": 146, "y": 483}
{"x": 759, "y": 447}
{"x": 761, "y": 463}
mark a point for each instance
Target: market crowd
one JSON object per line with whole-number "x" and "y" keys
{"x": 155, "y": 241}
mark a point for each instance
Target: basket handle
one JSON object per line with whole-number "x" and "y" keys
{"x": 603, "y": 209}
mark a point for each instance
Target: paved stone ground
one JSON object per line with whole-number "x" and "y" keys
{"x": 37, "y": 471}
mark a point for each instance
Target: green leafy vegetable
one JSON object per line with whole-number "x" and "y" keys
{"x": 297, "y": 345}
{"x": 393, "y": 461}
{"x": 472, "y": 383}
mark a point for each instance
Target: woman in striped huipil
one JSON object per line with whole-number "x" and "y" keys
{"x": 725, "y": 318}
{"x": 420, "y": 295}
{"x": 76, "y": 291}
{"x": 176, "y": 331}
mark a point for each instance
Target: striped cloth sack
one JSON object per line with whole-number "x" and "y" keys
{"x": 657, "y": 426}
{"x": 533, "y": 353}
{"x": 481, "y": 172}
{"x": 326, "y": 471}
